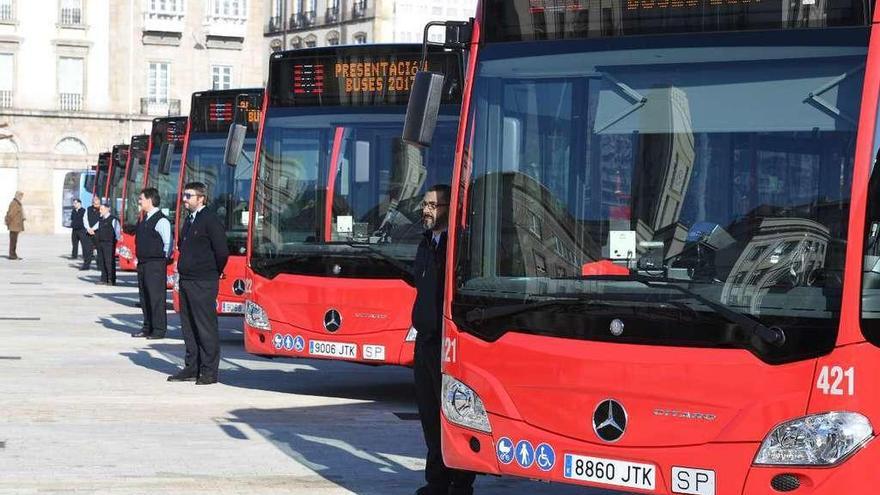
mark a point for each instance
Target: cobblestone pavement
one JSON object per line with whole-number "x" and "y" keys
{"x": 86, "y": 408}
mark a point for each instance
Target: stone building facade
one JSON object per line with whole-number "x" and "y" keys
{"x": 78, "y": 76}
{"x": 292, "y": 24}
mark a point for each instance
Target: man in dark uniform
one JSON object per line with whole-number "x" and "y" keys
{"x": 77, "y": 229}
{"x": 92, "y": 216}
{"x": 153, "y": 247}
{"x": 108, "y": 234}
{"x": 429, "y": 271}
{"x": 203, "y": 252}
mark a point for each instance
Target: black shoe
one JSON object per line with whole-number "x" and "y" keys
{"x": 156, "y": 336}
{"x": 140, "y": 335}
{"x": 206, "y": 381}
{"x": 182, "y": 377}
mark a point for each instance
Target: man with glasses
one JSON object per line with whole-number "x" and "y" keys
{"x": 153, "y": 247}
{"x": 429, "y": 271}
{"x": 203, "y": 252}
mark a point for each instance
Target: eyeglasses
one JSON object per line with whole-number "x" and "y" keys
{"x": 432, "y": 205}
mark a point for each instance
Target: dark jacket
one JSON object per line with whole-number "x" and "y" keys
{"x": 429, "y": 273}
{"x": 76, "y": 219}
{"x": 203, "y": 248}
{"x": 92, "y": 216}
{"x": 15, "y": 216}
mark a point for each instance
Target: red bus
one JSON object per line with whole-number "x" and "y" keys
{"x": 665, "y": 275}
{"x": 116, "y": 178}
{"x": 163, "y": 167}
{"x": 335, "y": 221}
{"x": 229, "y": 187}
{"x": 135, "y": 177}
{"x": 102, "y": 173}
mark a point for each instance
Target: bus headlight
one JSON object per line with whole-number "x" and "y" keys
{"x": 463, "y": 406}
{"x": 125, "y": 252}
{"x": 815, "y": 440}
{"x": 255, "y": 316}
{"x": 411, "y": 335}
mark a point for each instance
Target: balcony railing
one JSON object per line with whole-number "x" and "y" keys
{"x": 332, "y": 15}
{"x": 70, "y": 102}
{"x": 71, "y": 17}
{"x": 6, "y": 13}
{"x": 5, "y": 99}
{"x": 152, "y": 106}
{"x": 360, "y": 9}
{"x": 275, "y": 25}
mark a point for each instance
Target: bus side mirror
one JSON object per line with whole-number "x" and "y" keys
{"x": 165, "y": 153}
{"x": 234, "y": 144}
{"x": 423, "y": 108}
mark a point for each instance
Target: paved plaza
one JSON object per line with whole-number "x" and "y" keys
{"x": 86, "y": 408}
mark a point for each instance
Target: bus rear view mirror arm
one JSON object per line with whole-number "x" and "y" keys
{"x": 234, "y": 144}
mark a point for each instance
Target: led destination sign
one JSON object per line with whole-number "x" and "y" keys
{"x": 533, "y": 20}
{"x": 383, "y": 75}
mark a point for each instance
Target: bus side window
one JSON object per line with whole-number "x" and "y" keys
{"x": 871, "y": 261}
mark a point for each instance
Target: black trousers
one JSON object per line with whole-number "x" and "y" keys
{"x": 88, "y": 246}
{"x": 75, "y": 241}
{"x": 426, "y": 369}
{"x": 151, "y": 289}
{"x": 198, "y": 321}
{"x": 13, "y": 245}
{"x": 107, "y": 261}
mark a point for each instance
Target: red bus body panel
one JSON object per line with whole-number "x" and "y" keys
{"x": 545, "y": 390}
{"x": 370, "y": 310}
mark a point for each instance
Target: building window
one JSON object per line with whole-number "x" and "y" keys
{"x": 231, "y": 8}
{"x": 6, "y": 13}
{"x": 221, "y": 77}
{"x": 71, "y": 13}
{"x": 158, "y": 82}
{"x": 71, "y": 146}
{"x": 360, "y": 38}
{"x": 359, "y": 8}
{"x": 296, "y": 42}
{"x": 6, "y": 80}
{"x": 311, "y": 41}
{"x": 175, "y": 7}
{"x": 332, "y": 38}
{"x": 70, "y": 83}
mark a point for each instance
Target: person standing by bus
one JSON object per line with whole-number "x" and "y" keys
{"x": 203, "y": 253}
{"x": 77, "y": 229}
{"x": 91, "y": 217}
{"x": 15, "y": 223}
{"x": 429, "y": 271}
{"x": 107, "y": 234}
{"x": 153, "y": 248}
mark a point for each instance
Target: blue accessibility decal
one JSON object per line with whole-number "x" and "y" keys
{"x": 504, "y": 450}
{"x": 288, "y": 342}
{"x": 524, "y": 453}
{"x": 278, "y": 340}
{"x": 545, "y": 458}
{"x": 299, "y": 343}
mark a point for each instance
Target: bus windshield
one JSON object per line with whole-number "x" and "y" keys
{"x": 117, "y": 179}
{"x": 166, "y": 183}
{"x": 372, "y": 226}
{"x": 616, "y": 173}
{"x": 228, "y": 187}
{"x": 134, "y": 182}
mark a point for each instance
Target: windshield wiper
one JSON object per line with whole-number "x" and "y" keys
{"x": 391, "y": 260}
{"x": 771, "y": 335}
{"x": 479, "y": 315}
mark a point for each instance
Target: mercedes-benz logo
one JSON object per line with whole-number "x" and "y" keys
{"x": 238, "y": 287}
{"x": 616, "y": 327}
{"x": 332, "y": 320}
{"x": 609, "y": 420}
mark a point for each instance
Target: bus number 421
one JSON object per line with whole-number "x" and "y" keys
{"x": 831, "y": 380}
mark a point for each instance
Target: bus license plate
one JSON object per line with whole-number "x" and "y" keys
{"x": 610, "y": 472}
{"x": 232, "y": 308}
{"x": 332, "y": 349}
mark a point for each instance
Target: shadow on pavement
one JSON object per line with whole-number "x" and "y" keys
{"x": 349, "y": 445}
